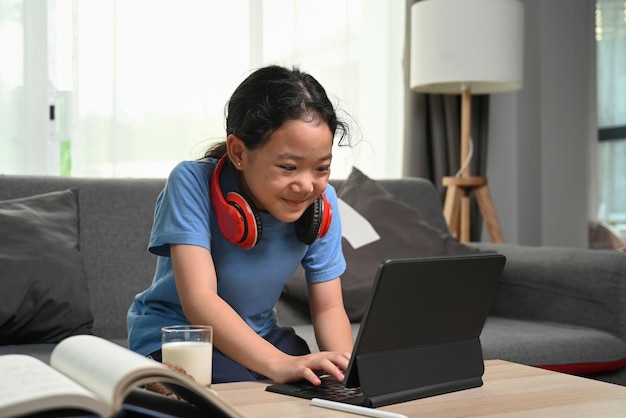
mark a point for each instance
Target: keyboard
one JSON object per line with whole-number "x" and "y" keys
{"x": 330, "y": 389}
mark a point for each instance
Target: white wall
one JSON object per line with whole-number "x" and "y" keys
{"x": 542, "y": 138}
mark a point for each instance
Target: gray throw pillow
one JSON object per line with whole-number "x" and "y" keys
{"x": 42, "y": 280}
{"x": 404, "y": 233}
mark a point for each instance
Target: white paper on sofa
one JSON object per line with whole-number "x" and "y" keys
{"x": 357, "y": 230}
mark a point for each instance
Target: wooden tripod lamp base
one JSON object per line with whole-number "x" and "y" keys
{"x": 456, "y": 209}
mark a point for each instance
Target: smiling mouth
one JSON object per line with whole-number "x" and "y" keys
{"x": 296, "y": 204}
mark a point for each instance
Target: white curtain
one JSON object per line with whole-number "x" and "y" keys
{"x": 24, "y": 125}
{"x": 139, "y": 85}
{"x": 11, "y": 78}
{"x": 611, "y": 53}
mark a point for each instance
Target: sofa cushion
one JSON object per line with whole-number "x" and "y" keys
{"x": 403, "y": 231}
{"x": 42, "y": 279}
{"x": 553, "y": 346}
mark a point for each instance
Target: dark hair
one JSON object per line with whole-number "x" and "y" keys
{"x": 269, "y": 97}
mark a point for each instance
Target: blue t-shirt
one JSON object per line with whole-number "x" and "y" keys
{"x": 250, "y": 281}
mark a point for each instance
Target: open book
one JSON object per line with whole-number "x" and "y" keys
{"x": 93, "y": 375}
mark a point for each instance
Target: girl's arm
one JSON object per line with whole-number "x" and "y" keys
{"x": 196, "y": 283}
{"x": 330, "y": 321}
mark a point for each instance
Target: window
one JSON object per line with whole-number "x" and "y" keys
{"x": 611, "y": 70}
{"x": 139, "y": 85}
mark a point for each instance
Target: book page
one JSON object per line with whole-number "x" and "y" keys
{"x": 103, "y": 367}
{"x": 28, "y": 385}
{"x": 112, "y": 371}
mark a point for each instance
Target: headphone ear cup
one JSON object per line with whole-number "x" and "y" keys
{"x": 238, "y": 220}
{"x": 315, "y": 221}
{"x": 327, "y": 216}
{"x": 247, "y": 224}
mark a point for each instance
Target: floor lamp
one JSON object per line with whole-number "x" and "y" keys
{"x": 467, "y": 47}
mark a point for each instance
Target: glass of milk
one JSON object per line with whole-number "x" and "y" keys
{"x": 190, "y": 347}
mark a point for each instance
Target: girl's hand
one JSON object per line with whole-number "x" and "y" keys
{"x": 333, "y": 363}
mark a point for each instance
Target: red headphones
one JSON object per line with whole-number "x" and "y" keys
{"x": 240, "y": 222}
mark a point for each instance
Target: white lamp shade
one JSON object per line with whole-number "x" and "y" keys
{"x": 467, "y": 43}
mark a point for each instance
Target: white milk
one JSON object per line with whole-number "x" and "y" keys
{"x": 193, "y": 356}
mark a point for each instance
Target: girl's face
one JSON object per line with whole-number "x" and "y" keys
{"x": 287, "y": 174}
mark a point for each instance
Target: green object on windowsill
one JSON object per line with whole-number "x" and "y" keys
{"x": 65, "y": 157}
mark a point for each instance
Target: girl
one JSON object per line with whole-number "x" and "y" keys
{"x": 230, "y": 229}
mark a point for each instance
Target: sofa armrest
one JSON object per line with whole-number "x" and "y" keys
{"x": 567, "y": 285}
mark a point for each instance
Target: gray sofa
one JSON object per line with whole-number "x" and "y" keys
{"x": 560, "y": 308}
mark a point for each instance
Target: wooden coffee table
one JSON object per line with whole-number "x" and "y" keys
{"x": 509, "y": 389}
